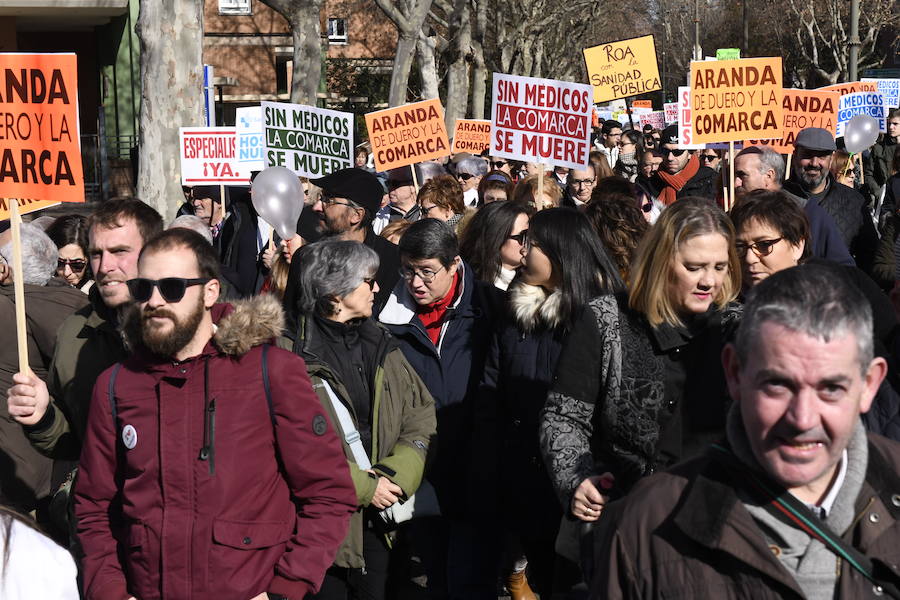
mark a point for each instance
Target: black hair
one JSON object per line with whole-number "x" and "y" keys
{"x": 72, "y": 229}
{"x": 609, "y": 125}
{"x": 583, "y": 268}
{"x": 430, "y": 238}
{"x": 179, "y": 237}
{"x": 485, "y": 234}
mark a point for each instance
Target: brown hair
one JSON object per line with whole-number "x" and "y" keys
{"x": 179, "y": 237}
{"x": 113, "y": 213}
{"x": 526, "y": 192}
{"x": 602, "y": 167}
{"x": 444, "y": 192}
{"x": 777, "y": 210}
{"x": 620, "y": 225}
{"x": 396, "y": 228}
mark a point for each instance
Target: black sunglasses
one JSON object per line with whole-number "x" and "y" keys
{"x": 498, "y": 164}
{"x": 172, "y": 289}
{"x": 707, "y": 157}
{"x": 465, "y": 176}
{"x": 76, "y": 264}
{"x": 666, "y": 151}
{"x": 520, "y": 237}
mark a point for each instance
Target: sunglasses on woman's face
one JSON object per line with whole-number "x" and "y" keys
{"x": 172, "y": 289}
{"x": 520, "y": 237}
{"x": 464, "y": 176}
{"x": 708, "y": 157}
{"x": 76, "y": 264}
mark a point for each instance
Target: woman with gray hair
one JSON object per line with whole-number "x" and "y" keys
{"x": 39, "y": 255}
{"x": 373, "y": 398}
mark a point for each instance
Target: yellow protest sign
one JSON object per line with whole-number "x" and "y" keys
{"x": 733, "y": 100}
{"x": 471, "y": 135}
{"x": 802, "y": 109}
{"x": 408, "y": 134}
{"x": 624, "y": 68}
{"x": 25, "y": 206}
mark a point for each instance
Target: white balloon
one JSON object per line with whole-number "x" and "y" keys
{"x": 860, "y": 132}
{"x": 278, "y": 198}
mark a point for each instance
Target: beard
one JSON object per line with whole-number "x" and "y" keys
{"x": 166, "y": 344}
{"x": 813, "y": 178}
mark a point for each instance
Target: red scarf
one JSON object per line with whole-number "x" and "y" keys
{"x": 674, "y": 183}
{"x": 432, "y": 315}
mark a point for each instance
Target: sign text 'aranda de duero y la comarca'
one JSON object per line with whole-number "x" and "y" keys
{"x": 310, "y": 141}
{"x": 408, "y": 134}
{"x": 471, "y": 135}
{"x": 40, "y": 146}
{"x": 541, "y": 120}
{"x": 802, "y": 109}
{"x": 733, "y": 100}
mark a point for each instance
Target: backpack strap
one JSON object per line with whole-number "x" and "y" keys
{"x": 111, "y": 393}
{"x": 266, "y": 386}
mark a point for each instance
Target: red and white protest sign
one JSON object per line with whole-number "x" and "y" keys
{"x": 685, "y": 133}
{"x": 541, "y": 120}
{"x": 209, "y": 157}
{"x": 656, "y": 119}
{"x": 671, "y": 110}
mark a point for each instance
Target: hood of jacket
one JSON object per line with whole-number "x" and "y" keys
{"x": 533, "y": 308}
{"x": 239, "y": 326}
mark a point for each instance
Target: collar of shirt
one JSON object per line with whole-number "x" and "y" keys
{"x": 823, "y": 508}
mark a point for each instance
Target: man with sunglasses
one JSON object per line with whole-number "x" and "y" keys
{"x": 680, "y": 173}
{"x": 207, "y": 449}
{"x": 54, "y": 415}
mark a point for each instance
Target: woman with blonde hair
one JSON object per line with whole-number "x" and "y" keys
{"x": 526, "y": 193}
{"x": 639, "y": 385}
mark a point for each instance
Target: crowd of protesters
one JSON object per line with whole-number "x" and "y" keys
{"x": 490, "y": 377}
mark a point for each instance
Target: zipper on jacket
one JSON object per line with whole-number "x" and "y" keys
{"x": 208, "y": 451}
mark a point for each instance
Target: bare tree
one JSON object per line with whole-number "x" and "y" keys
{"x": 303, "y": 17}
{"x": 459, "y": 53}
{"x": 426, "y": 50}
{"x": 479, "y": 67}
{"x": 409, "y": 17}
{"x": 171, "y": 38}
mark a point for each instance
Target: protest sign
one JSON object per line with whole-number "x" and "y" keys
{"x": 734, "y": 100}
{"x": 802, "y": 109}
{"x": 656, "y": 119}
{"x": 408, "y": 134}
{"x": 40, "y": 157}
{"x": 671, "y": 110}
{"x": 208, "y": 157}
{"x": 250, "y": 144}
{"x": 471, "y": 135}
{"x": 685, "y": 124}
{"x": 541, "y": 120}
{"x": 624, "y": 68}
{"x": 728, "y": 54}
{"x": 890, "y": 89}
{"x": 310, "y": 141}
{"x": 861, "y": 103}
{"x": 851, "y": 87}
{"x": 642, "y": 104}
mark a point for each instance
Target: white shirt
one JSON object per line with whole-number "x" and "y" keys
{"x": 37, "y": 567}
{"x": 470, "y": 197}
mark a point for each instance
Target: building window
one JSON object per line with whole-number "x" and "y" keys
{"x": 337, "y": 31}
{"x": 234, "y": 7}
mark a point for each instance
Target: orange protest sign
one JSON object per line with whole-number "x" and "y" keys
{"x": 25, "y": 206}
{"x": 624, "y": 68}
{"x": 471, "y": 135}
{"x": 850, "y": 87}
{"x": 407, "y": 134}
{"x": 642, "y": 104}
{"x": 41, "y": 151}
{"x": 802, "y": 109}
{"x": 733, "y": 100}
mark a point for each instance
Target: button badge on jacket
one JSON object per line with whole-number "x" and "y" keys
{"x": 129, "y": 436}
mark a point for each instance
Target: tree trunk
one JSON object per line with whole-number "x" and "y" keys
{"x": 307, "y": 72}
{"x": 171, "y": 38}
{"x": 406, "y": 48}
{"x": 458, "y": 73}
{"x": 425, "y": 56}
{"x": 409, "y": 18}
{"x": 479, "y": 71}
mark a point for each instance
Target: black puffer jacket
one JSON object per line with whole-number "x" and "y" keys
{"x": 701, "y": 185}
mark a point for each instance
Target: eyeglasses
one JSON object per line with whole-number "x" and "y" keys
{"x": 520, "y": 237}
{"x": 707, "y": 157}
{"x": 370, "y": 281}
{"x": 760, "y": 248}
{"x": 427, "y": 210}
{"x": 328, "y": 201}
{"x": 581, "y": 182}
{"x": 464, "y": 176}
{"x": 498, "y": 164}
{"x": 426, "y": 275}
{"x": 172, "y": 289}
{"x": 666, "y": 152}
{"x": 76, "y": 264}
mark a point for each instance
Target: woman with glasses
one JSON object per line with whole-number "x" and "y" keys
{"x": 492, "y": 242}
{"x": 442, "y": 198}
{"x": 639, "y": 384}
{"x": 367, "y": 388}
{"x": 563, "y": 267}
{"x": 631, "y": 146}
{"x": 69, "y": 233}
{"x": 711, "y": 158}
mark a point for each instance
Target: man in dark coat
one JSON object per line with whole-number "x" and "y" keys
{"x": 772, "y": 511}
{"x": 209, "y": 468}
{"x": 346, "y": 208}
{"x": 877, "y": 168}
{"x": 813, "y": 151}
{"x": 680, "y": 174}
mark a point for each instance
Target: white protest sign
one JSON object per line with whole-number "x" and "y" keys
{"x": 656, "y": 119}
{"x": 861, "y": 103}
{"x": 671, "y": 110}
{"x": 250, "y": 144}
{"x": 684, "y": 120}
{"x": 310, "y": 141}
{"x": 890, "y": 89}
{"x": 541, "y": 120}
{"x": 208, "y": 157}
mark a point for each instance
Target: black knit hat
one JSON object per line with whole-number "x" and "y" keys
{"x": 357, "y": 185}
{"x": 206, "y": 191}
{"x": 669, "y": 135}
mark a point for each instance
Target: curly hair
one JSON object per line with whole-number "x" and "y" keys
{"x": 620, "y": 225}
{"x": 444, "y": 192}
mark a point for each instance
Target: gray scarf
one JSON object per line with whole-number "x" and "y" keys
{"x": 813, "y": 566}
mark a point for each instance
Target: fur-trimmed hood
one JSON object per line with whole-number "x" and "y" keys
{"x": 240, "y": 325}
{"x": 533, "y": 308}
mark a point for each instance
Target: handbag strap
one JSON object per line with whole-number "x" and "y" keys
{"x": 782, "y": 505}
{"x": 351, "y": 435}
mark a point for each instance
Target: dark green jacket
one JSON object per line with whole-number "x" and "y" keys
{"x": 87, "y": 344}
{"x": 403, "y": 425}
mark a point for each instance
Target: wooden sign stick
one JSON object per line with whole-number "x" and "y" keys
{"x": 415, "y": 179}
{"x": 730, "y": 176}
{"x": 539, "y": 203}
{"x": 15, "y": 222}
{"x": 787, "y": 168}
